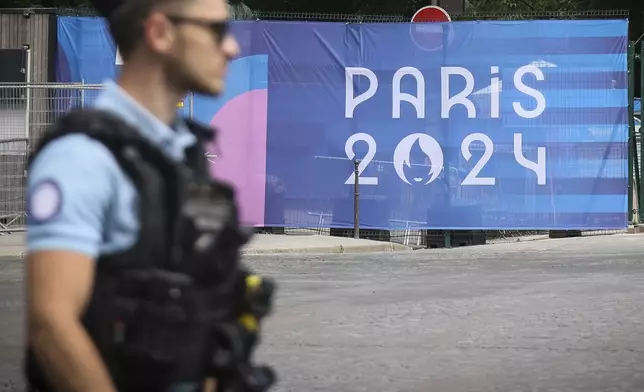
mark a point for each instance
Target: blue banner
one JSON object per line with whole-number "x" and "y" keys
{"x": 86, "y": 51}
{"x": 463, "y": 125}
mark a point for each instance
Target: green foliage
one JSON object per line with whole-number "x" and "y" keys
{"x": 43, "y": 3}
{"x": 528, "y": 5}
{"x": 239, "y": 11}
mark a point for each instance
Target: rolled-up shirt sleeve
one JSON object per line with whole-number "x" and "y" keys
{"x": 70, "y": 188}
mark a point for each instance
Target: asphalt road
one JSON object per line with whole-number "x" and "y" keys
{"x": 552, "y": 315}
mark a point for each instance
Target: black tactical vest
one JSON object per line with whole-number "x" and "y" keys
{"x": 153, "y": 305}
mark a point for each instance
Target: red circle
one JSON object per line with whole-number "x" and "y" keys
{"x": 427, "y": 29}
{"x": 431, "y": 13}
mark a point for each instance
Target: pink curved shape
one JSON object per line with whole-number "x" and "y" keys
{"x": 241, "y": 152}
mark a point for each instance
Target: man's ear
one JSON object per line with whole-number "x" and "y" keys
{"x": 159, "y": 33}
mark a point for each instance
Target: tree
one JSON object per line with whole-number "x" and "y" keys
{"x": 237, "y": 10}
{"x": 528, "y": 5}
{"x": 44, "y": 3}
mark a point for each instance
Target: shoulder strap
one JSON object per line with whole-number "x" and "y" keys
{"x": 116, "y": 134}
{"x": 104, "y": 127}
{"x": 128, "y": 146}
{"x": 140, "y": 160}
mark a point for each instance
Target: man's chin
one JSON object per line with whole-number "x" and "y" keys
{"x": 211, "y": 90}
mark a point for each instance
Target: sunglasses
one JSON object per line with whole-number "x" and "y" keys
{"x": 218, "y": 27}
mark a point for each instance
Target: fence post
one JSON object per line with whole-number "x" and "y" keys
{"x": 640, "y": 200}
{"x": 191, "y": 105}
{"x": 28, "y": 92}
{"x": 633, "y": 175}
{"x": 82, "y": 91}
{"x": 356, "y": 199}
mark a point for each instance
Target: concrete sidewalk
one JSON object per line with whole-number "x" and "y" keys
{"x": 13, "y": 245}
{"x": 291, "y": 243}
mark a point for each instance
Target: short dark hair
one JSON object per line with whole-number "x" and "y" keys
{"x": 126, "y": 22}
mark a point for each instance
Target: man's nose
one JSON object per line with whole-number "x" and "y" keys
{"x": 231, "y": 47}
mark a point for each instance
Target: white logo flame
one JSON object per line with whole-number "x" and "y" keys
{"x": 429, "y": 146}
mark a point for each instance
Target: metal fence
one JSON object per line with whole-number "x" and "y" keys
{"x": 361, "y": 17}
{"x": 26, "y": 113}
{"x": 636, "y": 141}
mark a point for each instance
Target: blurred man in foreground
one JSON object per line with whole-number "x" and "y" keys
{"x": 133, "y": 274}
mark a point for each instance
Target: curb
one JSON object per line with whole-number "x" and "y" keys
{"x": 21, "y": 255}
{"x": 336, "y": 249}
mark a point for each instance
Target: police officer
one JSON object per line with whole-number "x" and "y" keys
{"x": 83, "y": 206}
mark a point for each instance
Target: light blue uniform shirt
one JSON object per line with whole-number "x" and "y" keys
{"x": 79, "y": 198}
